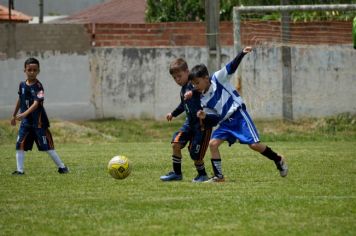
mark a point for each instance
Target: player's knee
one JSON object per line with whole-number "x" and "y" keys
{"x": 213, "y": 144}
{"x": 255, "y": 146}
{"x": 19, "y": 146}
{"x": 176, "y": 146}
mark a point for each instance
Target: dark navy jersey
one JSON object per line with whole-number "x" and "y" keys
{"x": 28, "y": 94}
{"x": 191, "y": 107}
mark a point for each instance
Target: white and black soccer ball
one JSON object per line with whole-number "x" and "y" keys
{"x": 119, "y": 167}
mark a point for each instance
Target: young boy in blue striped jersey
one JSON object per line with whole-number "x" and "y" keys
{"x": 221, "y": 98}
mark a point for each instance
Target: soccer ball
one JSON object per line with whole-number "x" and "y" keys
{"x": 119, "y": 167}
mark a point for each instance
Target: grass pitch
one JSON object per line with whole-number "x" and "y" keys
{"x": 317, "y": 198}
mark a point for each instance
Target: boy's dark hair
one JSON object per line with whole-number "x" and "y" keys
{"x": 198, "y": 71}
{"x": 32, "y": 60}
{"x": 178, "y": 65}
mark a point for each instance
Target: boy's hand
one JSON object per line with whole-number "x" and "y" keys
{"x": 247, "y": 49}
{"x": 201, "y": 114}
{"x": 20, "y": 116}
{"x": 169, "y": 116}
{"x": 188, "y": 95}
{"x": 13, "y": 121}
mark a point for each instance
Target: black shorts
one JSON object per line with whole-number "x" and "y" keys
{"x": 28, "y": 135}
{"x": 198, "y": 141}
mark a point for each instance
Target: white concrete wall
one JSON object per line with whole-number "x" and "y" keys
{"x": 323, "y": 80}
{"x": 135, "y": 82}
{"x": 66, "y": 80}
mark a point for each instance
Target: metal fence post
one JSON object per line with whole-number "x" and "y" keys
{"x": 237, "y": 44}
{"x": 287, "y": 83}
{"x": 212, "y": 31}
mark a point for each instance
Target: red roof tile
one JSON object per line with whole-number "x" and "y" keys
{"x": 114, "y": 11}
{"x": 15, "y": 15}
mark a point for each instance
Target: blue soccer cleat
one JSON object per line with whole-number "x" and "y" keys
{"x": 171, "y": 176}
{"x": 200, "y": 178}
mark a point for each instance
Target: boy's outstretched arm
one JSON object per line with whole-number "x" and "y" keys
{"x": 232, "y": 66}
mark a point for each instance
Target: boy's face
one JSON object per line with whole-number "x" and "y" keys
{"x": 181, "y": 77}
{"x": 201, "y": 84}
{"x": 31, "y": 71}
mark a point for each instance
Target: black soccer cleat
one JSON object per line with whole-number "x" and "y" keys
{"x": 63, "y": 170}
{"x": 18, "y": 173}
{"x": 282, "y": 167}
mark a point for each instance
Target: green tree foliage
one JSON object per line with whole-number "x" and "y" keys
{"x": 226, "y": 6}
{"x": 174, "y": 10}
{"x": 193, "y": 10}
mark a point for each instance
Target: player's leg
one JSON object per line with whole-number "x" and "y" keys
{"x": 179, "y": 140}
{"x": 237, "y": 128}
{"x": 248, "y": 134}
{"x": 45, "y": 143}
{"x": 20, "y": 159}
{"x": 266, "y": 151}
{"x": 216, "y": 159}
{"x": 177, "y": 157}
{"x": 25, "y": 139}
{"x": 197, "y": 150}
{"x": 62, "y": 169}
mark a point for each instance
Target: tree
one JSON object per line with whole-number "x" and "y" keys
{"x": 174, "y": 10}
{"x": 193, "y": 10}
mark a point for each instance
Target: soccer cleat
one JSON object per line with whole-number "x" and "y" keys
{"x": 282, "y": 167}
{"x": 18, "y": 173}
{"x": 171, "y": 176}
{"x": 215, "y": 179}
{"x": 200, "y": 178}
{"x": 63, "y": 170}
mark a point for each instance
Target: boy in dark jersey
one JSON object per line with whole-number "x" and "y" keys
{"x": 34, "y": 121}
{"x": 194, "y": 130}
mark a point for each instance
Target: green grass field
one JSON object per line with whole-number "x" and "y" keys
{"x": 317, "y": 198}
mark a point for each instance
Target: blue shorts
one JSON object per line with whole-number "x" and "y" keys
{"x": 238, "y": 127}
{"x": 28, "y": 135}
{"x": 199, "y": 141}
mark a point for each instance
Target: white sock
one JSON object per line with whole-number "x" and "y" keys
{"x": 53, "y": 154}
{"x": 20, "y": 159}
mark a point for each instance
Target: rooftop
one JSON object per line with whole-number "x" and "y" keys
{"x": 113, "y": 11}
{"x": 15, "y": 15}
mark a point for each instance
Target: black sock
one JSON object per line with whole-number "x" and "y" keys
{"x": 177, "y": 164}
{"x": 216, "y": 163}
{"x": 200, "y": 168}
{"x": 270, "y": 154}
